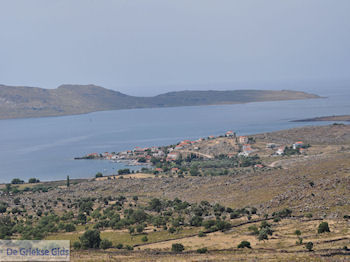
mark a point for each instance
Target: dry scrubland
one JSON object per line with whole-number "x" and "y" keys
{"x": 317, "y": 183}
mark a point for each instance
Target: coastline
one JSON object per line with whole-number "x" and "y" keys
{"x": 240, "y": 146}
{"x": 342, "y": 118}
{"x": 287, "y": 136}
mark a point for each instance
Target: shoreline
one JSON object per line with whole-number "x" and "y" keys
{"x": 149, "y": 157}
{"x": 342, "y": 118}
{"x": 134, "y": 163}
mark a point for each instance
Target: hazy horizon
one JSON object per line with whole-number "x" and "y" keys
{"x": 147, "y": 48}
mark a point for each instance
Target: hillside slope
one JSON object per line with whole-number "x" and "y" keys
{"x": 21, "y": 102}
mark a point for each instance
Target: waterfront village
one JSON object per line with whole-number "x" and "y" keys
{"x": 246, "y": 150}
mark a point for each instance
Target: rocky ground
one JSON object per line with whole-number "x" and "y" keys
{"x": 323, "y": 135}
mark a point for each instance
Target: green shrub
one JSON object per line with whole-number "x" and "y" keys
{"x": 201, "y": 234}
{"x": 69, "y": 227}
{"x": 177, "y": 247}
{"x": 234, "y": 215}
{"x": 309, "y": 246}
{"x": 208, "y": 223}
{"x": 3, "y": 208}
{"x": 131, "y": 230}
{"x": 99, "y": 174}
{"x": 202, "y": 250}
{"x": 144, "y": 239}
{"x": 244, "y": 244}
{"x": 308, "y": 215}
{"x": 76, "y": 245}
{"x": 254, "y": 230}
{"x": 128, "y": 247}
{"x": 155, "y": 205}
{"x": 283, "y": 213}
{"x": 6, "y": 227}
{"x": 90, "y": 239}
{"x": 33, "y": 180}
{"x": 323, "y": 227}
{"x": 172, "y": 230}
{"x": 299, "y": 241}
{"x": 263, "y": 235}
{"x": 264, "y": 224}
{"x": 196, "y": 221}
{"x": 277, "y": 219}
{"x": 105, "y": 244}
{"x": 140, "y": 228}
{"x": 222, "y": 225}
{"x": 16, "y": 181}
{"x": 124, "y": 171}
{"x": 119, "y": 246}
{"x": 139, "y": 216}
{"x": 17, "y": 201}
{"x": 81, "y": 218}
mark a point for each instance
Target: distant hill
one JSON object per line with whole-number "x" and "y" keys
{"x": 23, "y": 102}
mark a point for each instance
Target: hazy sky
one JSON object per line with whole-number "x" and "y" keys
{"x": 141, "y": 46}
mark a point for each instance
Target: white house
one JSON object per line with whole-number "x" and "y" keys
{"x": 298, "y": 144}
{"x": 280, "y": 150}
{"x": 243, "y": 139}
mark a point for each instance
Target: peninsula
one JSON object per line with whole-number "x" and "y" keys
{"x": 25, "y": 102}
{"x": 326, "y": 118}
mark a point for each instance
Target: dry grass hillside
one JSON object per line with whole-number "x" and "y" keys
{"x": 324, "y": 135}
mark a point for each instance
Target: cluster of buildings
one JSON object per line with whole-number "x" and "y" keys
{"x": 186, "y": 143}
{"x": 93, "y": 155}
{"x": 299, "y": 145}
{"x": 109, "y": 156}
{"x": 172, "y": 156}
{"x": 145, "y": 155}
{"x": 246, "y": 150}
